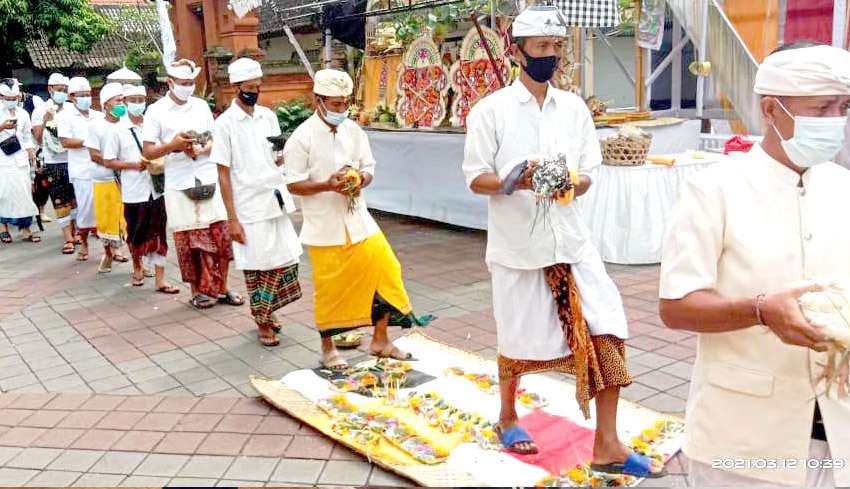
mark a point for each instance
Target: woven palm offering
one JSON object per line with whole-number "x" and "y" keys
{"x": 829, "y": 311}
{"x": 553, "y": 182}
{"x": 627, "y": 147}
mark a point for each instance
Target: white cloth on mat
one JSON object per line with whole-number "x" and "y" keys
{"x": 269, "y": 244}
{"x": 527, "y": 317}
{"x": 185, "y": 214}
{"x": 16, "y": 193}
{"x": 702, "y": 475}
{"x": 84, "y": 193}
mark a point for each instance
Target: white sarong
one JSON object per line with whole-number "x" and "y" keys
{"x": 84, "y": 194}
{"x": 527, "y": 316}
{"x": 185, "y": 214}
{"x": 269, "y": 244}
{"x": 16, "y": 193}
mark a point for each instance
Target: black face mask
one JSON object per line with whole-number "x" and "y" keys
{"x": 540, "y": 69}
{"x": 249, "y": 98}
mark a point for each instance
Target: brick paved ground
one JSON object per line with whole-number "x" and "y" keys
{"x": 105, "y": 384}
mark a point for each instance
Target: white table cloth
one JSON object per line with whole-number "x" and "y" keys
{"x": 627, "y": 208}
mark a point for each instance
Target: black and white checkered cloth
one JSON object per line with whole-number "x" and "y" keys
{"x": 589, "y": 13}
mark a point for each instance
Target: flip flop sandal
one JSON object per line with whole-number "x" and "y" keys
{"x": 334, "y": 362}
{"x": 33, "y": 238}
{"x": 68, "y": 248}
{"x": 168, "y": 289}
{"x": 636, "y": 465}
{"x": 231, "y": 299}
{"x": 105, "y": 265}
{"x": 5, "y": 237}
{"x": 392, "y": 351}
{"x": 82, "y": 256}
{"x": 149, "y": 274}
{"x": 137, "y": 282}
{"x": 512, "y": 437}
{"x": 202, "y": 301}
{"x": 269, "y": 341}
{"x": 120, "y": 258}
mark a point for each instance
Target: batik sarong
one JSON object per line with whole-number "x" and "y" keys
{"x": 203, "y": 255}
{"x": 270, "y": 290}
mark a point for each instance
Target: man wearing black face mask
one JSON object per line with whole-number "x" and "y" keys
{"x": 582, "y": 330}
{"x": 265, "y": 245}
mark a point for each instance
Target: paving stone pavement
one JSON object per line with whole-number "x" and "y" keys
{"x": 105, "y": 384}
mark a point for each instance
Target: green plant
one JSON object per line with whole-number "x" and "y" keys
{"x": 291, "y": 114}
{"x": 71, "y": 24}
{"x": 440, "y": 20}
{"x": 136, "y": 26}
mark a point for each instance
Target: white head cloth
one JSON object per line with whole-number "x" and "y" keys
{"x": 539, "y": 21}
{"x": 78, "y": 84}
{"x": 57, "y": 79}
{"x": 816, "y": 70}
{"x": 244, "y": 69}
{"x": 124, "y": 75}
{"x": 332, "y": 83}
{"x": 110, "y": 91}
{"x": 184, "y": 69}
{"x": 131, "y": 90}
{"x": 13, "y": 91}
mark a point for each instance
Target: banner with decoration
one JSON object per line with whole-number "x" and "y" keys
{"x": 432, "y": 419}
{"x": 473, "y": 76}
{"x": 422, "y": 86}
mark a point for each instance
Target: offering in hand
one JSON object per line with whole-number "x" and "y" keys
{"x": 553, "y": 181}
{"x": 352, "y": 181}
{"x": 829, "y": 311}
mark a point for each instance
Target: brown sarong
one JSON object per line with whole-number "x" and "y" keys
{"x": 146, "y": 227}
{"x": 270, "y": 290}
{"x": 203, "y": 254}
{"x": 598, "y": 362}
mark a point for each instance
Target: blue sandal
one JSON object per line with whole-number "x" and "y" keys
{"x": 511, "y": 437}
{"x": 636, "y": 465}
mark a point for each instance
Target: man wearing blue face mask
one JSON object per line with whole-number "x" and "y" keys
{"x": 356, "y": 274}
{"x": 744, "y": 238}
{"x": 72, "y": 124}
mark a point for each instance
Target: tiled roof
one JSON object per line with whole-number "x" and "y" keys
{"x": 272, "y": 13}
{"x": 109, "y": 51}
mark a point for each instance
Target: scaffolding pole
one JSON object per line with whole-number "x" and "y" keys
{"x": 703, "y": 40}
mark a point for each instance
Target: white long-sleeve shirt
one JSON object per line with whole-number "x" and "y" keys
{"x": 24, "y": 134}
{"x": 508, "y": 127}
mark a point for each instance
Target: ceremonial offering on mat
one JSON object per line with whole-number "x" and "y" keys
{"x": 829, "y": 311}
{"x": 489, "y": 383}
{"x": 373, "y": 378}
{"x": 439, "y": 413}
{"x": 348, "y": 340}
{"x": 367, "y": 428}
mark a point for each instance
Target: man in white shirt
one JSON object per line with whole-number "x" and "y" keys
{"x": 356, "y": 274}
{"x": 742, "y": 237}
{"x": 17, "y": 151}
{"x": 174, "y": 129}
{"x": 265, "y": 245}
{"x": 72, "y": 125}
{"x": 144, "y": 205}
{"x": 55, "y": 157}
{"x": 108, "y": 211}
{"x": 582, "y": 330}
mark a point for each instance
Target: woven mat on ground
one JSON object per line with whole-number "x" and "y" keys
{"x": 468, "y": 464}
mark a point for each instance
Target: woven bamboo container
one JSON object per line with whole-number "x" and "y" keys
{"x": 622, "y": 151}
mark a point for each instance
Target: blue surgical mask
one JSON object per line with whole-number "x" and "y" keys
{"x": 136, "y": 109}
{"x": 335, "y": 118}
{"x": 60, "y": 97}
{"x": 816, "y": 140}
{"x": 83, "y": 103}
{"x": 10, "y": 104}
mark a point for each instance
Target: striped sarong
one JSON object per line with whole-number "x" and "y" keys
{"x": 270, "y": 290}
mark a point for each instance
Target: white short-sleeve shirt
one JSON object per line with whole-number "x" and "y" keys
{"x": 38, "y": 120}
{"x": 508, "y": 127}
{"x": 23, "y": 131}
{"x": 71, "y": 123}
{"x": 240, "y": 143}
{"x": 95, "y": 140}
{"x": 136, "y": 186}
{"x": 316, "y": 152}
{"x": 163, "y": 120}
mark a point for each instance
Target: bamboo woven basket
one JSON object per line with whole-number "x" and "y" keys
{"x": 622, "y": 151}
